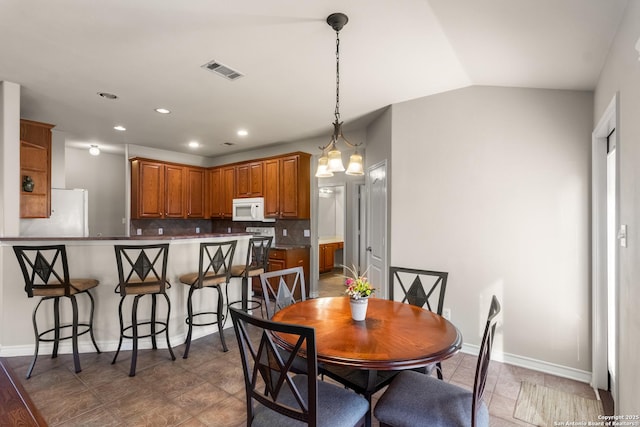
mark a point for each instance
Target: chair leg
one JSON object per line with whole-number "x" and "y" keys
{"x": 93, "y": 338}
{"x": 153, "y": 322}
{"x": 56, "y": 331}
{"x": 245, "y": 293}
{"x": 189, "y": 322}
{"x": 221, "y": 318}
{"x": 134, "y": 329}
{"x": 121, "y": 330}
{"x": 74, "y": 334}
{"x": 35, "y": 330}
{"x": 173, "y": 357}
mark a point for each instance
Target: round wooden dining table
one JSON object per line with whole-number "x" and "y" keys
{"x": 394, "y": 335}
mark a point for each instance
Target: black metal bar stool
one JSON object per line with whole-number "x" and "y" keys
{"x": 256, "y": 264}
{"x": 214, "y": 270}
{"x": 46, "y": 274}
{"x": 142, "y": 270}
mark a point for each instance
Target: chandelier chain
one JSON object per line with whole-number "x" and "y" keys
{"x": 337, "y": 110}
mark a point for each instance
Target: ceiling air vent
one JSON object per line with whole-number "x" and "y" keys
{"x": 221, "y": 69}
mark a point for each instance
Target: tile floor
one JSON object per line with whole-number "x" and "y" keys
{"x": 207, "y": 389}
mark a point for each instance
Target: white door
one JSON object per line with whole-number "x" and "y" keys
{"x": 377, "y": 227}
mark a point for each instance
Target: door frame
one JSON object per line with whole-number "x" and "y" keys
{"x": 599, "y": 350}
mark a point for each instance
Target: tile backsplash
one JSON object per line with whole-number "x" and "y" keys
{"x": 181, "y": 227}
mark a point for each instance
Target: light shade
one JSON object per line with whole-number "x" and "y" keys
{"x": 355, "y": 165}
{"x": 94, "y": 150}
{"x": 323, "y": 168}
{"x": 335, "y": 160}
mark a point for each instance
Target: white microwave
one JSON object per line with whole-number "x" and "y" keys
{"x": 250, "y": 209}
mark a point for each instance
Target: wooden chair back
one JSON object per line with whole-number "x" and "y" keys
{"x": 142, "y": 269}
{"x": 282, "y": 288}
{"x": 45, "y": 270}
{"x": 269, "y": 380}
{"x": 422, "y": 288}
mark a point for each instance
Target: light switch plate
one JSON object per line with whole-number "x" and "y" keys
{"x": 307, "y": 233}
{"x": 284, "y": 231}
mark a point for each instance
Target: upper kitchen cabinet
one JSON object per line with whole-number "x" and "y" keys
{"x": 287, "y": 186}
{"x": 221, "y": 191}
{"x": 196, "y": 207}
{"x": 157, "y": 189}
{"x": 249, "y": 179}
{"x": 35, "y": 169}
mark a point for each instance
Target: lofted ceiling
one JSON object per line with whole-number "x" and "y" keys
{"x": 150, "y": 52}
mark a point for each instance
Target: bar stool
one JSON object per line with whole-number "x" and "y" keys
{"x": 214, "y": 270}
{"x": 46, "y": 274}
{"x": 256, "y": 264}
{"x": 142, "y": 270}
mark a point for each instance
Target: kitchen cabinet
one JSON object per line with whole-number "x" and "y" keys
{"x": 157, "y": 189}
{"x": 195, "y": 192}
{"x": 281, "y": 258}
{"x": 249, "y": 179}
{"x": 35, "y": 163}
{"x": 287, "y": 187}
{"x": 326, "y": 256}
{"x": 221, "y": 191}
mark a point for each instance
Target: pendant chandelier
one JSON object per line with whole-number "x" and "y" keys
{"x": 331, "y": 159}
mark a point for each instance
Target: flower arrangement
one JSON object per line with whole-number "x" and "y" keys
{"x": 358, "y": 286}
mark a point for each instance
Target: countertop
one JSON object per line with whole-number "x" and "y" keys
{"x": 154, "y": 237}
{"x": 289, "y": 247}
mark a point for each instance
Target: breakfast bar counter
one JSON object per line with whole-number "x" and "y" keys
{"x": 94, "y": 257}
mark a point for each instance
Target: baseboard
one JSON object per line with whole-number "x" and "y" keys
{"x": 85, "y": 346}
{"x": 533, "y": 364}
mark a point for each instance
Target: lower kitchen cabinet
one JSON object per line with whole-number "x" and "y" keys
{"x": 287, "y": 257}
{"x": 326, "y": 255}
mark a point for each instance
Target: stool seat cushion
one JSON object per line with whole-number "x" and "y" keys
{"x": 240, "y": 270}
{"x": 142, "y": 287}
{"x": 210, "y": 279}
{"x": 57, "y": 290}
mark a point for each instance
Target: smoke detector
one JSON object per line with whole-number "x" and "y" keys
{"x": 222, "y": 70}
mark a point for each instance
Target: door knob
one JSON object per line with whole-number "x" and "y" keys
{"x": 369, "y": 249}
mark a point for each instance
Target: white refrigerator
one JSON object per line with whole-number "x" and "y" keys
{"x": 69, "y": 216}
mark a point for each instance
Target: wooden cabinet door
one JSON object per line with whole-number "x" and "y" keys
{"x": 150, "y": 189}
{"x": 289, "y": 187}
{"x": 271, "y": 188}
{"x": 195, "y": 193}
{"x": 35, "y": 162}
{"x": 175, "y": 191}
{"x": 228, "y": 191}
{"x": 249, "y": 178}
{"x": 215, "y": 193}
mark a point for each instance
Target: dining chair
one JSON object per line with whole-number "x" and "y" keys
{"x": 214, "y": 270}
{"x": 282, "y": 288}
{"x": 422, "y": 288}
{"x": 46, "y": 274}
{"x": 142, "y": 270}
{"x": 276, "y": 396}
{"x": 257, "y": 262}
{"x": 413, "y": 399}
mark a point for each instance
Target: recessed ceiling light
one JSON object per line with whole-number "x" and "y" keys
{"x": 162, "y": 111}
{"x": 94, "y": 150}
{"x": 243, "y": 132}
{"x": 194, "y": 144}
{"x": 107, "y": 95}
{"x": 120, "y": 128}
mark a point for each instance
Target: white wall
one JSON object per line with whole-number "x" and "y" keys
{"x": 621, "y": 74}
{"x": 492, "y": 185}
{"x": 104, "y": 177}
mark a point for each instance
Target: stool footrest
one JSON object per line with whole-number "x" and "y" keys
{"x": 84, "y": 325}
{"x": 163, "y": 328}
{"x": 215, "y": 322}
